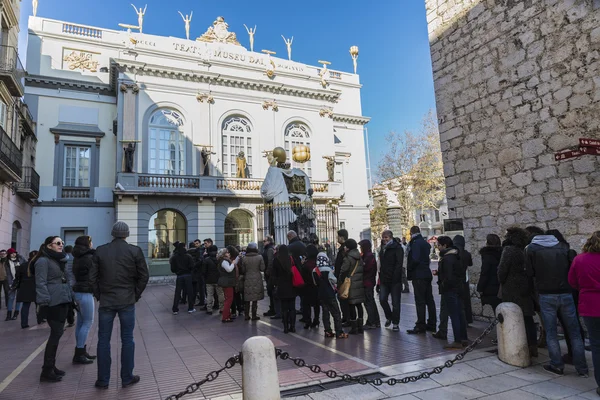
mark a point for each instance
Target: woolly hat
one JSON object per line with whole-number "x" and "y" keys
{"x": 351, "y": 244}
{"x": 322, "y": 260}
{"x": 120, "y": 230}
{"x": 10, "y": 251}
{"x": 252, "y": 245}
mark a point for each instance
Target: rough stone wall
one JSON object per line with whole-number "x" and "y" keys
{"x": 515, "y": 81}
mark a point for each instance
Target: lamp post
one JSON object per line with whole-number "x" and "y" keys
{"x": 354, "y": 54}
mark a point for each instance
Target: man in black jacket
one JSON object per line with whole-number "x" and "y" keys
{"x": 118, "y": 277}
{"x": 211, "y": 277}
{"x": 450, "y": 282}
{"x": 268, "y": 256}
{"x": 549, "y": 261}
{"x": 419, "y": 272}
{"x": 182, "y": 265}
{"x": 391, "y": 257}
{"x": 342, "y": 236}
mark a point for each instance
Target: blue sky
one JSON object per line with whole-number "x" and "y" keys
{"x": 394, "y": 62}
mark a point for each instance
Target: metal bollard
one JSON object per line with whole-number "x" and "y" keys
{"x": 260, "y": 379}
{"x": 512, "y": 337}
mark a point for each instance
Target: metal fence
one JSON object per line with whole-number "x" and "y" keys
{"x": 311, "y": 221}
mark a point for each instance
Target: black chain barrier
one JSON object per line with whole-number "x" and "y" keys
{"x": 211, "y": 376}
{"x": 299, "y": 362}
{"x": 392, "y": 381}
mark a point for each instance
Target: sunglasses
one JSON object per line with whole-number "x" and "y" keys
{"x": 58, "y": 243}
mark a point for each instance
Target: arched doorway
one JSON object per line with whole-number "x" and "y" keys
{"x": 239, "y": 228}
{"x": 165, "y": 228}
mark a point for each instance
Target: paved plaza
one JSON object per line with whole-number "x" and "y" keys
{"x": 172, "y": 351}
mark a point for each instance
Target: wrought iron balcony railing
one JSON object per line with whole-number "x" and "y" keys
{"x": 11, "y": 159}
{"x": 29, "y": 187}
{"x": 12, "y": 72}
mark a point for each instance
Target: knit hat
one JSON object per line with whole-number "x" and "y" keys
{"x": 11, "y": 251}
{"x": 120, "y": 230}
{"x": 351, "y": 244}
{"x": 322, "y": 260}
{"x": 252, "y": 245}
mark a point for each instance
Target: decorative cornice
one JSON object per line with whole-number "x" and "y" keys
{"x": 351, "y": 119}
{"x": 58, "y": 83}
{"x": 222, "y": 80}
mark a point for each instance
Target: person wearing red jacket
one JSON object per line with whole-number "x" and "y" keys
{"x": 584, "y": 275}
{"x": 370, "y": 280}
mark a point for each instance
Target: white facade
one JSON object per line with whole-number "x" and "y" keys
{"x": 19, "y": 183}
{"x": 94, "y": 91}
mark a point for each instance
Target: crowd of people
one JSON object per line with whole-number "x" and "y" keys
{"x": 62, "y": 281}
{"x": 535, "y": 269}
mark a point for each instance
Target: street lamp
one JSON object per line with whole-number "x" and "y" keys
{"x": 354, "y": 55}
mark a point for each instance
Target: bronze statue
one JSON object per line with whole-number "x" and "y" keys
{"x": 330, "y": 167}
{"x": 205, "y": 153}
{"x": 129, "y": 152}
{"x": 241, "y": 165}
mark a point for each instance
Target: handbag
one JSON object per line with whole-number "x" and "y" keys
{"x": 297, "y": 280}
{"x": 344, "y": 288}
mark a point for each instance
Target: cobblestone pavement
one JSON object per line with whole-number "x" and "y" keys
{"x": 172, "y": 351}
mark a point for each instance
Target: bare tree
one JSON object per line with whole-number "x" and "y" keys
{"x": 412, "y": 168}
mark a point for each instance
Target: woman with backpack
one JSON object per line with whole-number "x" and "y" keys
{"x": 324, "y": 278}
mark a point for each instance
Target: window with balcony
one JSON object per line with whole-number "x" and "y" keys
{"x": 296, "y": 134}
{"x": 236, "y": 137}
{"x": 77, "y": 167}
{"x": 167, "y": 143}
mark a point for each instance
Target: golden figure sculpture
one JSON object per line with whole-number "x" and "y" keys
{"x": 140, "y": 13}
{"x": 251, "y": 33}
{"x": 288, "y": 43}
{"x": 187, "y": 19}
{"x": 240, "y": 162}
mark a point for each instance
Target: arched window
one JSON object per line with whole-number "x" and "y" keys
{"x": 295, "y": 134}
{"x": 166, "y": 143}
{"x": 237, "y": 136}
{"x": 16, "y": 235}
{"x": 239, "y": 228}
{"x": 165, "y": 228}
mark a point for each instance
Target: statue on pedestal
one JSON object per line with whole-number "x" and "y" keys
{"x": 330, "y": 168}
{"x": 288, "y": 43}
{"x": 206, "y": 153}
{"x": 140, "y": 13}
{"x": 288, "y": 196}
{"x": 251, "y": 33}
{"x": 187, "y": 20}
{"x": 240, "y": 162}
{"x": 129, "y": 151}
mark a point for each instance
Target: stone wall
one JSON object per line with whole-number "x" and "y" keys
{"x": 516, "y": 81}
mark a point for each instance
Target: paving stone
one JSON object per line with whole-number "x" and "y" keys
{"x": 363, "y": 392}
{"x": 454, "y": 392}
{"x": 457, "y": 374}
{"x": 550, "y": 390}
{"x": 491, "y": 366}
{"x": 497, "y": 384}
{"x": 517, "y": 394}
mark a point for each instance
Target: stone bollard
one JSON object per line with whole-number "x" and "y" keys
{"x": 512, "y": 337}
{"x": 260, "y": 379}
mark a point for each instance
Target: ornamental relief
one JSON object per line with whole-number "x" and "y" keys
{"x": 76, "y": 60}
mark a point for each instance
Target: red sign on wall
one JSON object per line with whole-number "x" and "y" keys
{"x": 590, "y": 150}
{"x": 589, "y": 142}
{"x": 566, "y": 154}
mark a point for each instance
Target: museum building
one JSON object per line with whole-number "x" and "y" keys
{"x": 151, "y": 130}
